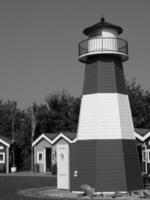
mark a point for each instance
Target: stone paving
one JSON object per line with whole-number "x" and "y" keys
{"x": 28, "y": 185}
{"x": 53, "y": 193}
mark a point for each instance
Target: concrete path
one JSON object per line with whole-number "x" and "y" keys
{"x": 52, "y": 193}
{"x": 48, "y": 193}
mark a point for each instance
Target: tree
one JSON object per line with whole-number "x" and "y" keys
{"x": 8, "y": 111}
{"x": 140, "y": 104}
{"x": 60, "y": 113}
{"x": 42, "y": 120}
{"x": 12, "y": 117}
{"x": 63, "y": 112}
{"x": 23, "y": 140}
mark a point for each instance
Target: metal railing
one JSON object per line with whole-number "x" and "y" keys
{"x": 103, "y": 44}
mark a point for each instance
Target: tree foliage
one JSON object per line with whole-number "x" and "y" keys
{"x": 140, "y": 104}
{"x": 8, "y": 111}
{"x": 9, "y": 115}
{"x": 60, "y": 113}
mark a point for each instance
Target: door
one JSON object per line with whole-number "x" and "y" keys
{"x": 48, "y": 160}
{"x": 139, "y": 148}
{"x": 63, "y": 166}
{"x": 144, "y": 161}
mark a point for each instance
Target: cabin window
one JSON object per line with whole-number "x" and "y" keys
{"x": 148, "y": 152}
{"x": 39, "y": 156}
{"x": 2, "y": 157}
{"x": 143, "y": 156}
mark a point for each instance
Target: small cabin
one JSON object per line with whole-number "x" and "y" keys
{"x": 143, "y": 146}
{"x": 44, "y": 153}
{"x": 4, "y": 154}
{"x": 45, "y": 150}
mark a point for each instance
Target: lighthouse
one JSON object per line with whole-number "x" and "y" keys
{"x": 104, "y": 155}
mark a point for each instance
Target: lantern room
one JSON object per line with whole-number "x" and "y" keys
{"x": 103, "y": 39}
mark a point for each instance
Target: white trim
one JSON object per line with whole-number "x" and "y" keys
{"x": 124, "y": 56}
{"x": 5, "y": 143}
{"x": 77, "y": 192}
{"x": 148, "y": 155}
{"x": 138, "y": 136}
{"x": 44, "y": 160}
{"x": 3, "y": 154}
{"x": 75, "y": 140}
{"x": 60, "y": 135}
{"x": 38, "y": 153}
{"x": 7, "y": 161}
{"x": 144, "y": 155}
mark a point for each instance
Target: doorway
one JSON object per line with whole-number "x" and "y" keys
{"x": 139, "y": 148}
{"x": 48, "y": 160}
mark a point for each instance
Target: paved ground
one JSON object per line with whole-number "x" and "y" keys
{"x": 11, "y": 184}
{"x": 28, "y": 186}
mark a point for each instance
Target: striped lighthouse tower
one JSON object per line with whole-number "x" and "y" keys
{"x": 104, "y": 155}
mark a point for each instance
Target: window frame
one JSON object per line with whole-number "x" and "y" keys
{"x": 148, "y": 155}
{"x": 38, "y": 157}
{"x": 143, "y": 155}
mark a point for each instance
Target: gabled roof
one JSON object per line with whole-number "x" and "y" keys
{"x": 5, "y": 141}
{"x": 51, "y": 136}
{"x": 70, "y": 135}
{"x": 142, "y": 131}
{"x": 142, "y": 134}
{"x": 54, "y": 137}
{"x": 100, "y": 25}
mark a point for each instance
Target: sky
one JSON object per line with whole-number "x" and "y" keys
{"x": 39, "y": 44}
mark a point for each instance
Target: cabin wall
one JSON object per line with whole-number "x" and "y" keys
{"x": 144, "y": 155}
{"x": 39, "y": 154}
{"x": 4, "y": 158}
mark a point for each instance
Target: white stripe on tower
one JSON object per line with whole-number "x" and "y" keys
{"x": 105, "y": 116}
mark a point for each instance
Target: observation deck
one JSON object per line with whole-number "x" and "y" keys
{"x": 103, "y": 45}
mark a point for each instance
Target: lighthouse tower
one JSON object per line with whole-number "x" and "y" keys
{"x": 104, "y": 155}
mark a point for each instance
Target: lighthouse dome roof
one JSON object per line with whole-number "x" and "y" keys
{"x": 100, "y": 25}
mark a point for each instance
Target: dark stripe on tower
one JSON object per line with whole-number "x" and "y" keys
{"x": 106, "y": 165}
{"x": 104, "y": 74}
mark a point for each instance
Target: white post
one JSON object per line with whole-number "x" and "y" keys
{"x": 7, "y": 160}
{"x": 44, "y": 160}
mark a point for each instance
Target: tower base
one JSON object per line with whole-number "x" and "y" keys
{"x": 106, "y": 165}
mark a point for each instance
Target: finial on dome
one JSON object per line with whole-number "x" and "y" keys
{"x": 102, "y": 17}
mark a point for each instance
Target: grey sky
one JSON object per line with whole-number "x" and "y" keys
{"x": 39, "y": 44}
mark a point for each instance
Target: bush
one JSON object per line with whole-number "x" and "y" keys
{"x": 36, "y": 168}
{"x": 2, "y": 168}
{"x": 87, "y": 190}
